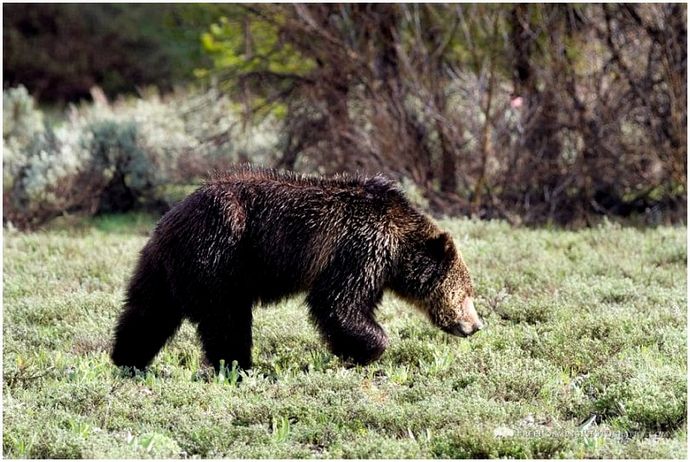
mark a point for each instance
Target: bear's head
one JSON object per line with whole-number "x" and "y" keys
{"x": 434, "y": 277}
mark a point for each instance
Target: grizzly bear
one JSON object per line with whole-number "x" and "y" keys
{"x": 256, "y": 235}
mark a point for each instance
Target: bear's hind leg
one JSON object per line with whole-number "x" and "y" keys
{"x": 228, "y": 337}
{"x": 149, "y": 319}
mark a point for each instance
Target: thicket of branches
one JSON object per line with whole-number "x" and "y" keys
{"x": 528, "y": 112}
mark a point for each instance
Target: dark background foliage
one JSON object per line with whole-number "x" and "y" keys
{"x": 60, "y": 51}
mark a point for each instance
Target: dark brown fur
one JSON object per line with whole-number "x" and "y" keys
{"x": 255, "y": 235}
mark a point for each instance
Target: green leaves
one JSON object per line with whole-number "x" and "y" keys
{"x": 244, "y": 43}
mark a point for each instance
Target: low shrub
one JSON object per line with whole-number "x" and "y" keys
{"x": 121, "y": 156}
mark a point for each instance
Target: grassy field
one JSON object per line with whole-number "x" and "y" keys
{"x": 584, "y": 356}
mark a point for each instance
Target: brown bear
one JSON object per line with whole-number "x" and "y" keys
{"x": 253, "y": 235}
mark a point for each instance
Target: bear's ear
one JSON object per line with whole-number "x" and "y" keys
{"x": 441, "y": 247}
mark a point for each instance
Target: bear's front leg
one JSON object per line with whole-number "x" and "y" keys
{"x": 227, "y": 337}
{"x": 359, "y": 340}
{"x": 349, "y": 329}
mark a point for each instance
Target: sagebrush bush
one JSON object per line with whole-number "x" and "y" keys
{"x": 114, "y": 157}
{"x": 21, "y": 123}
{"x": 21, "y": 120}
{"x": 47, "y": 175}
{"x": 130, "y": 172}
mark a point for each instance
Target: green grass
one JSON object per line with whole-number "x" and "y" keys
{"x": 584, "y": 356}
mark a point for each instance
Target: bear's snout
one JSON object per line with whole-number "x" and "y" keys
{"x": 461, "y": 330}
{"x": 468, "y": 322}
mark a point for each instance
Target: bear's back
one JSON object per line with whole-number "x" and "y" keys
{"x": 269, "y": 197}
{"x": 295, "y": 225}
{"x": 277, "y": 232}
{"x": 337, "y": 184}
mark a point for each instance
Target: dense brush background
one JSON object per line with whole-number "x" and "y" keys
{"x": 571, "y": 119}
{"x": 530, "y": 113}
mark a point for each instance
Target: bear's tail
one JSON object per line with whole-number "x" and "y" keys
{"x": 150, "y": 316}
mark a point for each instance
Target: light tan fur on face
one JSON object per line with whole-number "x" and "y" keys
{"x": 469, "y": 320}
{"x": 451, "y": 304}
